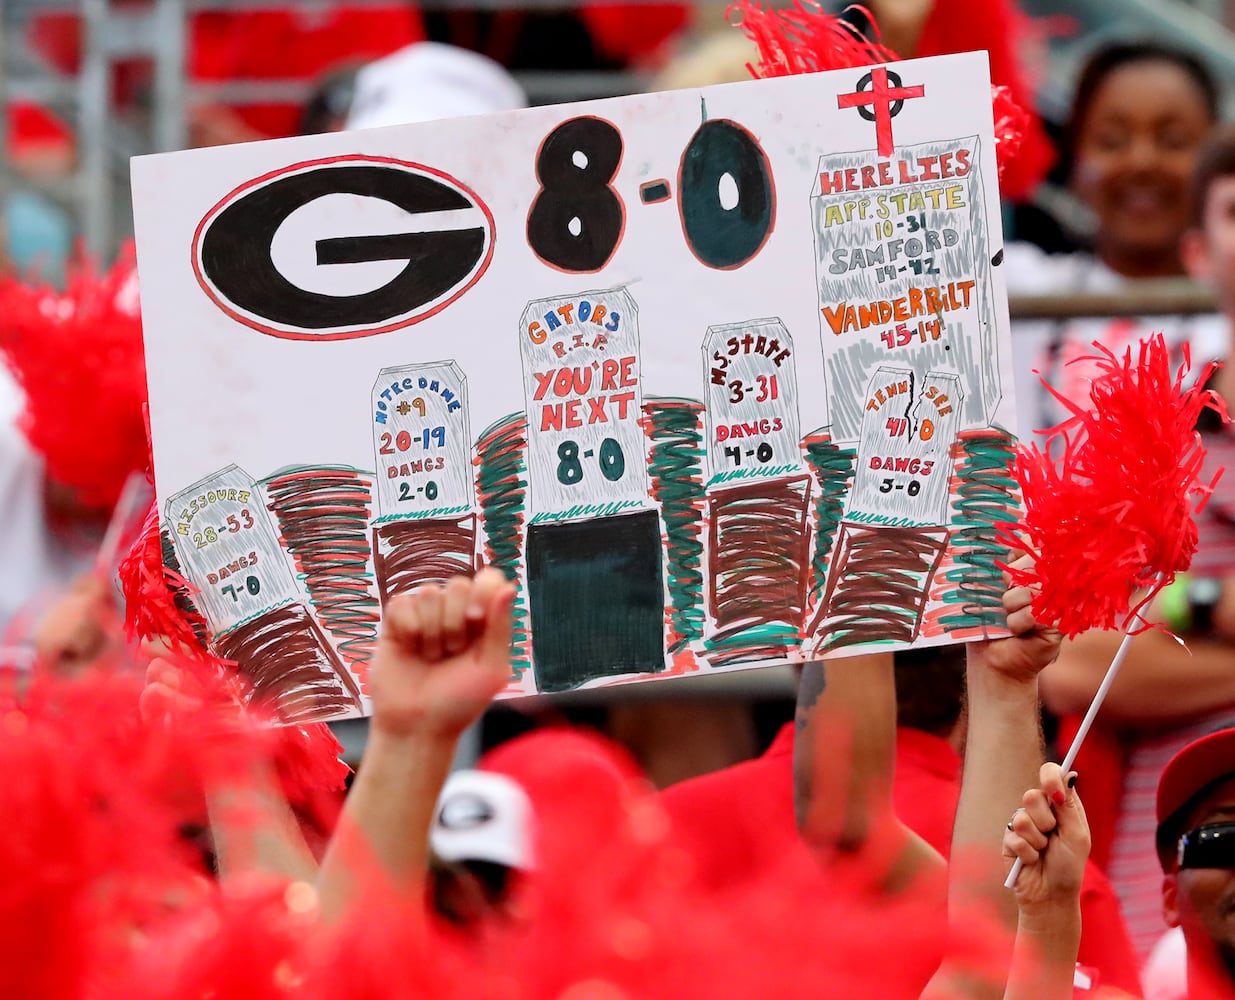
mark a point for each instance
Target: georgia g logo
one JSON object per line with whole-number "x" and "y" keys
{"x": 342, "y": 248}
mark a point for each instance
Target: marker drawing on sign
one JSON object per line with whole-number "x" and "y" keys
{"x": 323, "y": 517}
{"x": 876, "y": 590}
{"x": 576, "y": 220}
{"x": 986, "y": 499}
{"x": 676, "y": 469}
{"x": 725, "y": 232}
{"x": 903, "y": 269}
{"x": 610, "y": 403}
{"x": 425, "y": 531}
{"x": 758, "y": 562}
{"x": 908, "y": 335}
{"x": 501, "y": 483}
{"x": 261, "y": 252}
{"x": 594, "y": 549}
{"x": 904, "y": 450}
{"x": 654, "y": 192}
{"x": 880, "y": 97}
{"x": 291, "y": 665}
{"x": 832, "y": 467}
{"x": 902, "y": 484}
{"x": 586, "y": 448}
{"x": 726, "y": 195}
{"x": 752, "y": 402}
{"x": 231, "y": 553}
{"x": 759, "y": 493}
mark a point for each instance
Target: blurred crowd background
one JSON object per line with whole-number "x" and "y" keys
{"x": 1122, "y": 220}
{"x": 89, "y": 83}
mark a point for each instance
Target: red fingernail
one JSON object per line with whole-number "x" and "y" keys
{"x": 1058, "y": 797}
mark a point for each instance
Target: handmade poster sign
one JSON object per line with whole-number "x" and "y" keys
{"x": 720, "y": 378}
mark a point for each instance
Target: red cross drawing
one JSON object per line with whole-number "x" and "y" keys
{"x": 883, "y": 97}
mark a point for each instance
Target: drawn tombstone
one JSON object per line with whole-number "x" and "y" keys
{"x": 425, "y": 529}
{"x": 904, "y": 449}
{"x": 228, "y": 549}
{"x": 894, "y": 534}
{"x": 758, "y": 493}
{"x": 594, "y": 557}
{"x": 904, "y": 274}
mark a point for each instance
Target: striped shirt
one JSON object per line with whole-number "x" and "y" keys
{"x": 1215, "y": 553}
{"x": 1050, "y": 349}
{"x": 1134, "y": 864}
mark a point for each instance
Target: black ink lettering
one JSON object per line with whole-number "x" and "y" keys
{"x": 236, "y": 244}
{"x": 725, "y": 238}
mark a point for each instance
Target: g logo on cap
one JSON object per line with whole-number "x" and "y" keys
{"x": 341, "y": 248}
{"x": 464, "y": 812}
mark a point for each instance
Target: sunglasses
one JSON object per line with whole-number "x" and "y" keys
{"x": 1211, "y": 846}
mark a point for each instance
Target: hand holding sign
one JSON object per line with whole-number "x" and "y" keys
{"x": 1033, "y": 645}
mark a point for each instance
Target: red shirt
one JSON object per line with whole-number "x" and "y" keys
{"x": 294, "y": 43}
{"x": 997, "y": 26}
{"x": 927, "y": 786}
{"x": 742, "y": 817}
{"x": 739, "y": 818}
{"x": 298, "y": 43}
{"x": 925, "y": 792}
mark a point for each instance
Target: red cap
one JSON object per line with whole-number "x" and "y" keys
{"x": 586, "y": 792}
{"x": 1200, "y": 763}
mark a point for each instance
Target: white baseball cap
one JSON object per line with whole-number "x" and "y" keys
{"x": 482, "y": 816}
{"x": 427, "y": 81}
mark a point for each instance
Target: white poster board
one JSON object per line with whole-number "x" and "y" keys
{"x": 721, "y": 378}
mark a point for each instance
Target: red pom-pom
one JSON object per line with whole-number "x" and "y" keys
{"x": 306, "y": 758}
{"x": 805, "y": 39}
{"x": 1012, "y": 124}
{"x": 613, "y": 911}
{"x": 157, "y": 599}
{"x": 104, "y": 897}
{"x": 312, "y": 774}
{"x": 102, "y": 900}
{"x": 79, "y": 358}
{"x": 158, "y": 605}
{"x": 90, "y": 849}
{"x": 1109, "y": 496}
{"x": 250, "y": 942}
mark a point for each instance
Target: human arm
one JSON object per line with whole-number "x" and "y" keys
{"x": 252, "y": 826}
{"x": 1050, "y": 836}
{"x": 443, "y": 655}
{"x": 1003, "y": 744}
{"x": 1161, "y": 682}
{"x": 254, "y": 829}
{"x": 842, "y": 797}
{"x": 78, "y": 629}
{"x": 1003, "y": 753}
